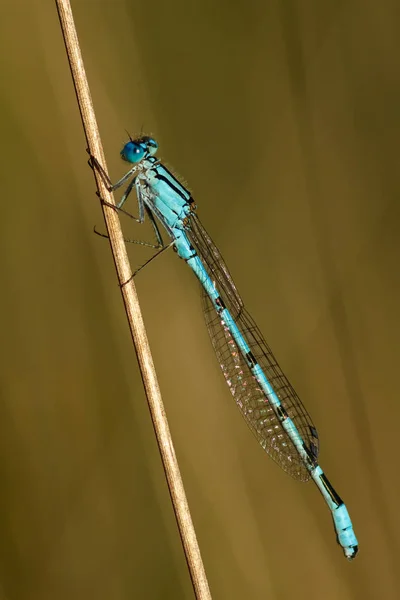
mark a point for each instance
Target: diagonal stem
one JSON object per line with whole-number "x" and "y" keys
{"x": 133, "y": 312}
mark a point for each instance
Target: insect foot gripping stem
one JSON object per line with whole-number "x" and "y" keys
{"x": 345, "y": 533}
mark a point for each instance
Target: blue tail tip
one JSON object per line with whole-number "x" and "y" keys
{"x": 351, "y": 552}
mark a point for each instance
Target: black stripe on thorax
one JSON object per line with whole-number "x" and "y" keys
{"x": 171, "y": 185}
{"x": 174, "y": 178}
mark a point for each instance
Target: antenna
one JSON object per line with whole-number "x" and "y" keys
{"x": 129, "y": 135}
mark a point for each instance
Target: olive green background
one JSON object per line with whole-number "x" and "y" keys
{"x": 284, "y": 118}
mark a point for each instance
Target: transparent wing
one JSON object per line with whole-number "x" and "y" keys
{"x": 215, "y": 264}
{"x": 250, "y": 398}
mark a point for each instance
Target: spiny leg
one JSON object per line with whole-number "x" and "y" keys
{"x": 155, "y": 227}
{"x": 119, "y": 209}
{"x": 159, "y": 240}
{"x": 139, "y": 242}
{"x": 148, "y": 261}
{"x": 94, "y": 164}
{"x": 127, "y": 193}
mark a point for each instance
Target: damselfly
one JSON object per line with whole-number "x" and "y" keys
{"x": 265, "y": 397}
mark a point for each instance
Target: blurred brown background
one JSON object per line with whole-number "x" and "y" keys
{"x": 284, "y": 118}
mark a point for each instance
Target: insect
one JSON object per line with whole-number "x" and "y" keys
{"x": 263, "y": 394}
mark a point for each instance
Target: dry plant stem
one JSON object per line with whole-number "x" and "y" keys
{"x": 175, "y": 484}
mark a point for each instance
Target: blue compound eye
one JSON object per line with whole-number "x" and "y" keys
{"x": 133, "y": 152}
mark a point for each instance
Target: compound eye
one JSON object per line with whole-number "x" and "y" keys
{"x": 132, "y": 152}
